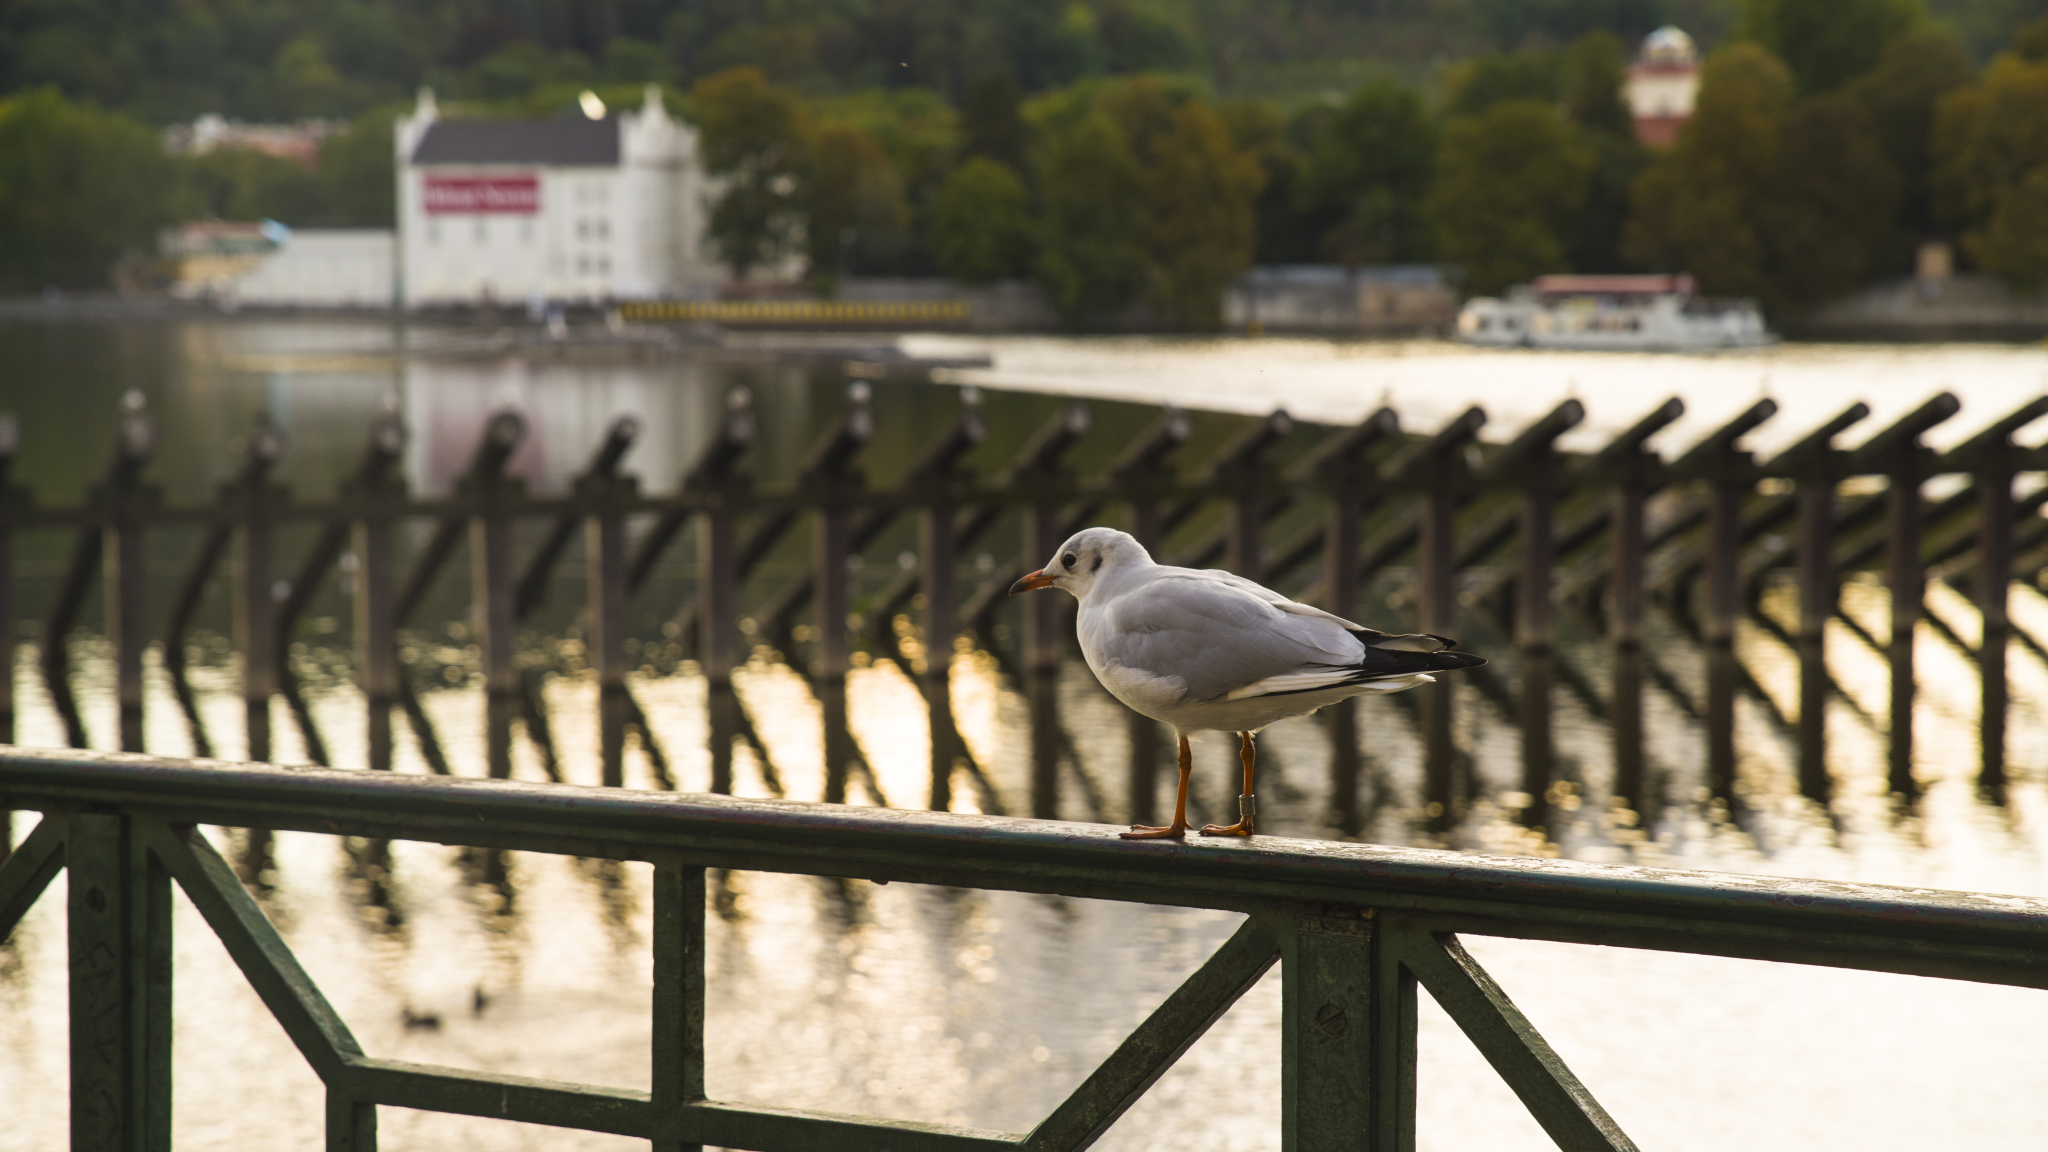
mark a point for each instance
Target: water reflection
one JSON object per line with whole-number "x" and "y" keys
{"x": 986, "y": 1008}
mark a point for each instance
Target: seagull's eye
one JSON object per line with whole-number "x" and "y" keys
{"x": 1070, "y": 559}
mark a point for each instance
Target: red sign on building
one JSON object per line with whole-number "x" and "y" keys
{"x": 470, "y": 195}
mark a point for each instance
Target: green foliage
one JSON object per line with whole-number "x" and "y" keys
{"x": 1093, "y": 255}
{"x": 1507, "y": 184}
{"x": 1370, "y": 173}
{"x": 852, "y": 190}
{"x": 1512, "y": 23}
{"x": 1202, "y": 192}
{"x": 1698, "y": 208}
{"x": 78, "y": 187}
{"x": 992, "y": 121}
{"x": 758, "y": 137}
{"x": 1991, "y": 153}
{"x": 981, "y": 224}
{"x": 1767, "y": 196}
{"x": 1828, "y": 43}
{"x": 1915, "y": 70}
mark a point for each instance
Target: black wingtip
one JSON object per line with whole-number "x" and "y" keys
{"x": 1451, "y": 661}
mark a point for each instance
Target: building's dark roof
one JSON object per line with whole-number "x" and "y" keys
{"x": 567, "y": 143}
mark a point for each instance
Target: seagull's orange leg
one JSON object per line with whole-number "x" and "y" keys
{"x": 1246, "y": 806}
{"x": 1179, "y": 828}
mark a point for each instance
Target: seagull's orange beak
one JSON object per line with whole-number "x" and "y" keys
{"x": 1032, "y": 582}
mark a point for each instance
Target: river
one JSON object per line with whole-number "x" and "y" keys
{"x": 987, "y": 1008}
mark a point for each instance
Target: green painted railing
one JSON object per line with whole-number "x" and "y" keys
{"x": 1355, "y": 929}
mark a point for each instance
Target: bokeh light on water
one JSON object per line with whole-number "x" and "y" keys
{"x": 987, "y": 1008}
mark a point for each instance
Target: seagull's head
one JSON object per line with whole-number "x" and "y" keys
{"x": 1088, "y": 556}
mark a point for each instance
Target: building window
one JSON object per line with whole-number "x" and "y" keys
{"x": 583, "y": 265}
{"x": 604, "y": 229}
{"x": 583, "y": 229}
{"x": 480, "y": 231}
{"x": 526, "y": 231}
{"x": 604, "y": 265}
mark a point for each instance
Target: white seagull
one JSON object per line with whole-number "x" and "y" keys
{"x": 1207, "y": 651}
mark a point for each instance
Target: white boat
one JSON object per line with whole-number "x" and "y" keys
{"x": 1612, "y": 313}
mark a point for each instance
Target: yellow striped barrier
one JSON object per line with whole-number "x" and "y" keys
{"x": 800, "y": 311}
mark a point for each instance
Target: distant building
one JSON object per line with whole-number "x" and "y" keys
{"x": 213, "y": 133}
{"x": 588, "y": 209}
{"x": 1384, "y": 298}
{"x": 1662, "y": 85}
{"x": 232, "y": 263}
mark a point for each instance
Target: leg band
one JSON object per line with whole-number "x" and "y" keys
{"x": 1247, "y": 807}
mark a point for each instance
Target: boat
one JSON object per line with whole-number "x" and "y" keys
{"x": 1612, "y": 313}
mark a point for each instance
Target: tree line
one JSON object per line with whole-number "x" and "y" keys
{"x": 1830, "y": 138}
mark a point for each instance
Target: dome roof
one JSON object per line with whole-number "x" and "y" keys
{"x": 1668, "y": 45}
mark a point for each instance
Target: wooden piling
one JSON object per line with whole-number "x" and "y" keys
{"x": 128, "y": 504}
{"x": 1897, "y": 454}
{"x": 255, "y": 635}
{"x": 1345, "y": 470}
{"x": 1633, "y": 472}
{"x": 832, "y": 482}
{"x": 1728, "y": 473}
{"x": 1439, "y": 471}
{"x": 374, "y": 494}
{"x": 491, "y": 494}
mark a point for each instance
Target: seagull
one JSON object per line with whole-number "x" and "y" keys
{"x": 1210, "y": 651}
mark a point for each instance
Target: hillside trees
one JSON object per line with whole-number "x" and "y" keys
{"x": 757, "y": 136}
{"x": 1507, "y": 183}
{"x": 78, "y": 187}
{"x": 1991, "y": 169}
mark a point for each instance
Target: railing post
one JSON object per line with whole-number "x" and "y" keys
{"x": 678, "y": 1001}
{"x": 13, "y": 502}
{"x": 119, "y": 928}
{"x": 491, "y": 493}
{"x": 376, "y": 493}
{"x": 1347, "y": 1034}
{"x": 128, "y": 502}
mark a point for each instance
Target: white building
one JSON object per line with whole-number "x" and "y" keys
{"x": 585, "y": 209}
{"x": 1662, "y": 85}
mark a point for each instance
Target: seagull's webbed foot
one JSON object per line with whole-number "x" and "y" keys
{"x": 1241, "y": 828}
{"x": 1149, "y": 832}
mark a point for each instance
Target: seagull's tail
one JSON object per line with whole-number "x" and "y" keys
{"x": 1406, "y": 661}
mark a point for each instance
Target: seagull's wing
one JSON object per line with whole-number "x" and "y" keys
{"x": 1218, "y": 636}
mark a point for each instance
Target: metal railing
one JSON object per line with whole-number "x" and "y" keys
{"x": 1355, "y": 929}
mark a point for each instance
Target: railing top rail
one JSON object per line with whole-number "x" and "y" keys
{"x": 1678, "y": 910}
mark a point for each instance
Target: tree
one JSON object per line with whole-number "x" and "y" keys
{"x": 1592, "y": 72}
{"x": 1202, "y": 193}
{"x": 1507, "y": 183}
{"x": 1990, "y": 148}
{"x": 1697, "y": 208}
{"x": 1915, "y": 70}
{"x": 1092, "y": 260}
{"x": 757, "y": 137}
{"x": 1370, "y": 173}
{"x": 981, "y": 226}
{"x": 1829, "y": 215}
{"x": 990, "y": 123}
{"x": 852, "y": 191}
{"x": 78, "y": 187}
{"x": 1827, "y": 43}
